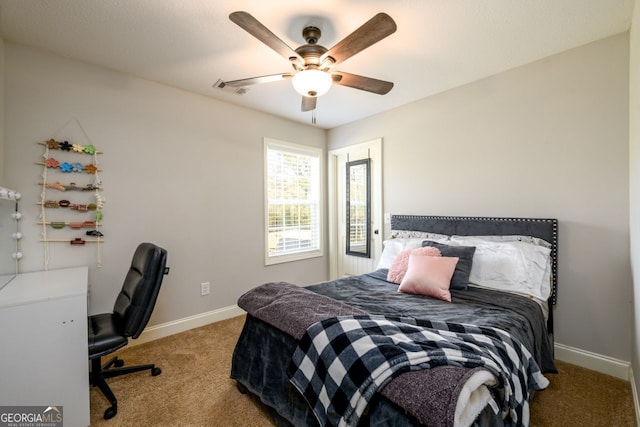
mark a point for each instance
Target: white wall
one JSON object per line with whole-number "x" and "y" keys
{"x": 2, "y": 111}
{"x": 179, "y": 169}
{"x": 634, "y": 183}
{"x": 549, "y": 139}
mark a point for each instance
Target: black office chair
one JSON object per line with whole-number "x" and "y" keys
{"x": 133, "y": 307}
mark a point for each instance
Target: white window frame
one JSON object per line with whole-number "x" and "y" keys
{"x": 273, "y": 144}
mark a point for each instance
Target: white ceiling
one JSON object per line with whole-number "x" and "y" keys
{"x": 190, "y": 44}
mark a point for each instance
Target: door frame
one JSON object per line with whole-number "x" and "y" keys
{"x": 376, "y": 192}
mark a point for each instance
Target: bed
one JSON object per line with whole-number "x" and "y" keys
{"x": 359, "y": 351}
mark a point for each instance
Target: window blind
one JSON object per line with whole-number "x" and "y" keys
{"x": 292, "y": 201}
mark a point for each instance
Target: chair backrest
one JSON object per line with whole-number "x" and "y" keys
{"x": 137, "y": 298}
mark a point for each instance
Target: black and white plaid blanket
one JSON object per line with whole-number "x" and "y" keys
{"x": 341, "y": 362}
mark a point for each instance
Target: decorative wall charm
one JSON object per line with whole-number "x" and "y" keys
{"x": 71, "y": 200}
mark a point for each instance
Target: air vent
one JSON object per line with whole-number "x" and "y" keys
{"x": 237, "y": 90}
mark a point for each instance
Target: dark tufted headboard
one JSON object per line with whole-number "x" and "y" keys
{"x": 546, "y": 229}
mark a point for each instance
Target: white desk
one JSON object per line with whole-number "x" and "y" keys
{"x": 43, "y": 342}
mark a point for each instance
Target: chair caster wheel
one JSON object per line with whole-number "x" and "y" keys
{"x": 118, "y": 363}
{"x": 156, "y": 371}
{"x": 110, "y": 413}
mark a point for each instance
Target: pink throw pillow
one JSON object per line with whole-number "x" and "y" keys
{"x": 399, "y": 267}
{"x": 431, "y": 276}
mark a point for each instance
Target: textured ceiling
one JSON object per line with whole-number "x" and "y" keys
{"x": 190, "y": 44}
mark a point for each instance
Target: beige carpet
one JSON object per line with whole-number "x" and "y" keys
{"x": 194, "y": 388}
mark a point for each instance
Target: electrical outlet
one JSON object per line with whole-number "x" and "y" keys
{"x": 205, "y": 288}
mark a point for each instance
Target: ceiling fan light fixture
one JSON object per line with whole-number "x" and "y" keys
{"x": 312, "y": 82}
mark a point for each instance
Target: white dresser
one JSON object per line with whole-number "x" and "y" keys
{"x": 43, "y": 342}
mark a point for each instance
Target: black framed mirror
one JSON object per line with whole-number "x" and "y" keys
{"x": 358, "y": 213}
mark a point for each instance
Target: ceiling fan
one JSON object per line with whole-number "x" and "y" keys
{"x": 313, "y": 64}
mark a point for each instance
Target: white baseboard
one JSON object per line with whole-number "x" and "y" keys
{"x": 165, "y": 329}
{"x": 604, "y": 364}
{"x": 596, "y": 362}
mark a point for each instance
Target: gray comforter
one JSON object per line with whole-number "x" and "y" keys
{"x": 372, "y": 294}
{"x": 518, "y": 315}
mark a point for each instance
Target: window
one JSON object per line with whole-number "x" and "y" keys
{"x": 293, "y": 201}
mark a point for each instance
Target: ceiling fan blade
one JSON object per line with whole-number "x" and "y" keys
{"x": 369, "y": 33}
{"x": 381, "y": 87}
{"x": 254, "y": 80}
{"x": 251, "y": 25}
{"x": 309, "y": 103}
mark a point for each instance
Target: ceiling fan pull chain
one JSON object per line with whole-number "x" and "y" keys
{"x": 313, "y": 116}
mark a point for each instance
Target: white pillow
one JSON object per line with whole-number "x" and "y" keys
{"x": 505, "y": 238}
{"x": 546, "y": 285}
{"x": 513, "y": 266}
{"x": 413, "y": 234}
{"x": 392, "y": 247}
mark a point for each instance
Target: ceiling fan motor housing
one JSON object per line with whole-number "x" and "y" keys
{"x": 311, "y": 52}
